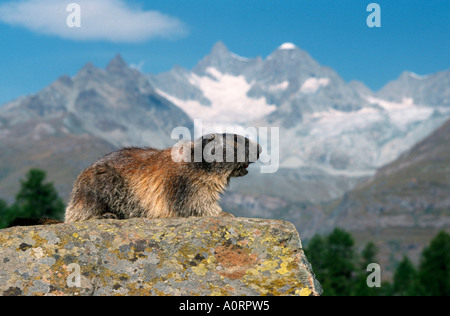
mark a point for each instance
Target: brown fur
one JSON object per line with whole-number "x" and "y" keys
{"x": 33, "y": 222}
{"x": 146, "y": 182}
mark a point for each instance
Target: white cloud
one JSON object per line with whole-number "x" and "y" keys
{"x": 107, "y": 20}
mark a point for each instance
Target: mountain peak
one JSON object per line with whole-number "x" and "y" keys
{"x": 288, "y": 55}
{"x": 117, "y": 64}
{"x": 88, "y": 70}
{"x": 413, "y": 75}
{"x": 290, "y": 49}
{"x": 287, "y": 46}
{"x": 219, "y": 49}
{"x": 222, "y": 60}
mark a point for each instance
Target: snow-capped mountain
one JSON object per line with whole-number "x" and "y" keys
{"x": 216, "y": 90}
{"x": 325, "y": 123}
{"x": 331, "y": 133}
{"x": 227, "y": 88}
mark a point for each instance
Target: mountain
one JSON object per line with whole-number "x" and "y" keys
{"x": 226, "y": 88}
{"x": 329, "y": 129}
{"x": 76, "y": 120}
{"x": 406, "y": 203}
{"x": 433, "y": 89}
{"x": 214, "y": 91}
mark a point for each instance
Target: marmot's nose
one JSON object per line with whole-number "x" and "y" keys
{"x": 252, "y": 149}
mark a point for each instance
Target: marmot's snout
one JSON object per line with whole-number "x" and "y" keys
{"x": 252, "y": 152}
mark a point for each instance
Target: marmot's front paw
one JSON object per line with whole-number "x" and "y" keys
{"x": 225, "y": 214}
{"x": 109, "y": 216}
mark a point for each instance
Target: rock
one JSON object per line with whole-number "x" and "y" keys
{"x": 194, "y": 256}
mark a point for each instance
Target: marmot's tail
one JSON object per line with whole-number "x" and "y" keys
{"x": 33, "y": 222}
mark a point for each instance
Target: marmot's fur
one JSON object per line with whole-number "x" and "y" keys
{"x": 146, "y": 182}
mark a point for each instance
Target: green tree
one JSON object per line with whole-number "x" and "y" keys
{"x": 340, "y": 270}
{"x": 37, "y": 198}
{"x": 434, "y": 269}
{"x": 368, "y": 256}
{"x": 339, "y": 260}
{"x": 4, "y": 214}
{"x": 405, "y": 279}
{"x": 316, "y": 252}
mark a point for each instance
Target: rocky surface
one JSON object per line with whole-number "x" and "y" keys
{"x": 195, "y": 256}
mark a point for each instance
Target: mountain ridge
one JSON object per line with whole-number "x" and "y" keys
{"x": 75, "y": 120}
{"x": 343, "y": 128}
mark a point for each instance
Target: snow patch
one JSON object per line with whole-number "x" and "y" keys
{"x": 311, "y": 85}
{"x": 228, "y": 96}
{"x": 287, "y": 46}
{"x": 240, "y": 58}
{"x": 279, "y": 86}
{"x": 416, "y": 76}
{"x": 404, "y": 113}
{"x": 333, "y": 123}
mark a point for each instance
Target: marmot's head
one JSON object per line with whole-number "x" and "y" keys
{"x": 229, "y": 154}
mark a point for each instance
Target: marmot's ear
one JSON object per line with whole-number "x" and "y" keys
{"x": 206, "y": 139}
{"x": 209, "y": 137}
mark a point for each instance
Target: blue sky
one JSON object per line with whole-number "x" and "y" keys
{"x": 36, "y": 46}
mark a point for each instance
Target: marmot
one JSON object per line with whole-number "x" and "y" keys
{"x": 150, "y": 183}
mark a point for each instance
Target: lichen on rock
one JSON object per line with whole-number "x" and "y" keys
{"x": 178, "y": 256}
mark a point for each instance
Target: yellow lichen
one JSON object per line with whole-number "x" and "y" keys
{"x": 303, "y": 292}
{"x": 284, "y": 268}
{"x": 268, "y": 265}
{"x": 200, "y": 270}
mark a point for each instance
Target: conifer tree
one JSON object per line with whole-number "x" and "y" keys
{"x": 4, "y": 214}
{"x": 368, "y": 256}
{"x": 339, "y": 260}
{"x": 37, "y": 198}
{"x": 316, "y": 252}
{"x": 434, "y": 269}
{"x": 405, "y": 279}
